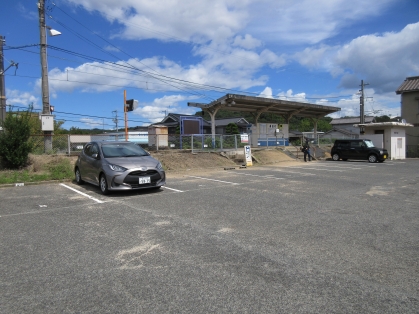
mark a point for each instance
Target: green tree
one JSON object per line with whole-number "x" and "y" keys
{"x": 15, "y": 145}
{"x": 232, "y": 128}
{"x": 383, "y": 119}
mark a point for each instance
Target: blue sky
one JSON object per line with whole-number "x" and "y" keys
{"x": 166, "y": 53}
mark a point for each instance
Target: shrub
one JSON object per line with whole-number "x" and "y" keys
{"x": 15, "y": 145}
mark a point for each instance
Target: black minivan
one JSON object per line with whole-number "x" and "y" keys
{"x": 360, "y": 149}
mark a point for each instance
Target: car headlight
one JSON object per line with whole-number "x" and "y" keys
{"x": 381, "y": 152}
{"x": 117, "y": 168}
{"x": 159, "y": 166}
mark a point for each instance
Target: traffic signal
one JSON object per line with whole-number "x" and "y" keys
{"x": 131, "y": 104}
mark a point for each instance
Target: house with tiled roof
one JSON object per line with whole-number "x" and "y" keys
{"x": 173, "y": 122}
{"x": 409, "y": 93}
{"x": 336, "y": 133}
{"x": 347, "y": 124}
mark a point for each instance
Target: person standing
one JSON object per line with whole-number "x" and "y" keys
{"x": 306, "y": 151}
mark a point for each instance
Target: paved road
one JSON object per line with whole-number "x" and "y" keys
{"x": 319, "y": 237}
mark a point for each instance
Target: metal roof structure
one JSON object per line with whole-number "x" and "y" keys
{"x": 259, "y": 105}
{"x": 410, "y": 84}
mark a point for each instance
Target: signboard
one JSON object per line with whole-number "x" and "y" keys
{"x": 244, "y": 138}
{"x": 248, "y": 155}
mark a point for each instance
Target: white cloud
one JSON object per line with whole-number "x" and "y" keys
{"x": 289, "y": 95}
{"x": 111, "y": 48}
{"x": 291, "y": 21}
{"x": 91, "y": 123}
{"x": 266, "y": 93}
{"x": 169, "y": 20}
{"x": 382, "y": 60}
{"x": 236, "y": 69}
{"x": 247, "y": 42}
{"x": 156, "y": 110}
{"x": 17, "y": 97}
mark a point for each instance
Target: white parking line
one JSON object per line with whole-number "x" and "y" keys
{"x": 214, "y": 180}
{"x": 165, "y": 187}
{"x": 320, "y": 169}
{"x": 269, "y": 176}
{"x": 84, "y": 194}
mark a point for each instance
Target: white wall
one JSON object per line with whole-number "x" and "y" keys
{"x": 398, "y": 143}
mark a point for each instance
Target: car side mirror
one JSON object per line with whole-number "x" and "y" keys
{"x": 95, "y": 156}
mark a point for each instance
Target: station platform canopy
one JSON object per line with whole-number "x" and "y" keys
{"x": 259, "y": 105}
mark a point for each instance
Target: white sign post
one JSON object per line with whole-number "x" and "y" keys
{"x": 248, "y": 155}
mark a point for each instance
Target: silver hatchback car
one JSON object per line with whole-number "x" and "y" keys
{"x": 118, "y": 166}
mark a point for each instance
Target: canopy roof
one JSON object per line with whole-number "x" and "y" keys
{"x": 258, "y": 105}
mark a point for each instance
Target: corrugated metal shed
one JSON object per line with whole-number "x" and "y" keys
{"x": 410, "y": 84}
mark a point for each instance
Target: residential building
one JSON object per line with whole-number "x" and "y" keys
{"x": 409, "y": 91}
{"x": 347, "y": 124}
{"x": 173, "y": 121}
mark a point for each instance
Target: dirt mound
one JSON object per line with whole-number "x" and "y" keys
{"x": 182, "y": 160}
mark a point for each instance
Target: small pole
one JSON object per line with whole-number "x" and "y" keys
{"x": 125, "y": 115}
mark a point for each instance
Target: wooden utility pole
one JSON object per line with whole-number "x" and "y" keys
{"x": 361, "y": 108}
{"x": 2, "y": 84}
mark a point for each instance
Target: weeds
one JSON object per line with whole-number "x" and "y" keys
{"x": 57, "y": 168}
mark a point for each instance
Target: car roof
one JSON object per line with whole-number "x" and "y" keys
{"x": 353, "y": 140}
{"x": 113, "y": 142}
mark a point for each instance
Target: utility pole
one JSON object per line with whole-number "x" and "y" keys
{"x": 115, "y": 120}
{"x": 46, "y": 110}
{"x": 361, "y": 108}
{"x": 2, "y": 84}
{"x": 43, "y": 52}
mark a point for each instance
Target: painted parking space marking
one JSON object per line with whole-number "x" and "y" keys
{"x": 269, "y": 176}
{"x": 81, "y": 193}
{"x": 165, "y": 187}
{"x": 233, "y": 183}
{"x": 320, "y": 169}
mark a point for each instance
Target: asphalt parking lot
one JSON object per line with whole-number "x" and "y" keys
{"x": 316, "y": 237}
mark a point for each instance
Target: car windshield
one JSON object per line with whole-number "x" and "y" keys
{"x": 122, "y": 150}
{"x": 369, "y": 143}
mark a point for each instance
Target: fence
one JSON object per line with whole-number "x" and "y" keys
{"x": 412, "y": 151}
{"x": 70, "y": 144}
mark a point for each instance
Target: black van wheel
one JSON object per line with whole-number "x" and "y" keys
{"x": 335, "y": 157}
{"x": 372, "y": 158}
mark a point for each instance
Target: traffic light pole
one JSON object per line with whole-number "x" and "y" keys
{"x": 125, "y": 115}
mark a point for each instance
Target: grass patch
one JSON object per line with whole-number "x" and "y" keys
{"x": 40, "y": 168}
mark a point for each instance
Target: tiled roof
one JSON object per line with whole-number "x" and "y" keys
{"x": 410, "y": 84}
{"x": 343, "y": 131}
{"x": 352, "y": 120}
{"x": 222, "y": 122}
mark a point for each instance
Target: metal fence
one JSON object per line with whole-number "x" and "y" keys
{"x": 69, "y": 144}
{"x": 412, "y": 151}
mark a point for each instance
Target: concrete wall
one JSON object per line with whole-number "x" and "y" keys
{"x": 393, "y": 140}
{"x": 410, "y": 112}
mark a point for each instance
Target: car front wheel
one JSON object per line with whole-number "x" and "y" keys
{"x": 103, "y": 185}
{"x": 335, "y": 157}
{"x": 78, "y": 176}
{"x": 372, "y": 158}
